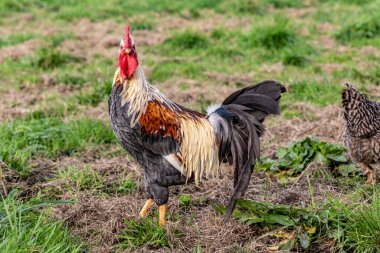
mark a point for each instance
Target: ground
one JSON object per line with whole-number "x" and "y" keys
{"x": 56, "y": 67}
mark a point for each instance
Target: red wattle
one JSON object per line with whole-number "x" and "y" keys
{"x": 127, "y": 62}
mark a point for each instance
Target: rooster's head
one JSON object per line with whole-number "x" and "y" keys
{"x": 128, "y": 61}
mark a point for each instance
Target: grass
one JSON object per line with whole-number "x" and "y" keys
{"x": 188, "y": 40}
{"x": 320, "y": 94}
{"x": 99, "y": 92}
{"x": 363, "y": 27}
{"x": 50, "y": 58}
{"x": 357, "y": 223}
{"x": 354, "y": 226}
{"x": 82, "y": 179}
{"x": 275, "y": 35}
{"x": 24, "y": 229}
{"x": 25, "y": 139}
{"x": 14, "y": 39}
{"x": 143, "y": 232}
{"x": 87, "y": 179}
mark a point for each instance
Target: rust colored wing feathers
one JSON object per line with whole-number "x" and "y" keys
{"x": 160, "y": 129}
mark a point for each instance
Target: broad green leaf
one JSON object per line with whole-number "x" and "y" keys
{"x": 288, "y": 245}
{"x": 278, "y": 219}
{"x": 304, "y": 240}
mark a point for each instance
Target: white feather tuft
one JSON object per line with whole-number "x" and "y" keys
{"x": 213, "y": 108}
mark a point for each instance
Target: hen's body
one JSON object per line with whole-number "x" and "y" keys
{"x": 362, "y": 132}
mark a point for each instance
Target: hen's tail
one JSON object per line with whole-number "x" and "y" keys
{"x": 237, "y": 123}
{"x": 362, "y": 115}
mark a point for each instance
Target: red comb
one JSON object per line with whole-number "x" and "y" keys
{"x": 127, "y": 38}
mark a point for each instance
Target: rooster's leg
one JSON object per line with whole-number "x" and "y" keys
{"x": 162, "y": 211}
{"x": 147, "y": 206}
{"x": 370, "y": 173}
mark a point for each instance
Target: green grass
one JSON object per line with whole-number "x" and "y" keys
{"x": 51, "y": 57}
{"x": 317, "y": 93}
{"x": 366, "y": 29}
{"x": 143, "y": 232}
{"x": 24, "y": 229}
{"x": 357, "y": 224}
{"x": 167, "y": 70}
{"x": 82, "y": 178}
{"x": 275, "y": 35}
{"x": 100, "y": 91}
{"x": 295, "y": 59}
{"x": 25, "y": 139}
{"x": 185, "y": 200}
{"x": 188, "y": 40}
{"x": 363, "y": 27}
{"x": 86, "y": 179}
{"x": 14, "y": 39}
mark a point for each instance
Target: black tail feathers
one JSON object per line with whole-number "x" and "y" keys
{"x": 238, "y": 126}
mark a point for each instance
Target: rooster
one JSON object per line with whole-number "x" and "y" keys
{"x": 175, "y": 145}
{"x": 362, "y": 132}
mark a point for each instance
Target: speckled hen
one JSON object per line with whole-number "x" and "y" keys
{"x": 175, "y": 145}
{"x": 362, "y": 132}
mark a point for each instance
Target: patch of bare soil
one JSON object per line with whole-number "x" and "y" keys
{"x": 330, "y": 68}
{"x": 209, "y": 21}
{"x": 93, "y": 38}
{"x": 327, "y": 43}
{"x": 325, "y": 27}
{"x": 299, "y": 12}
{"x": 103, "y": 38}
{"x": 16, "y": 104}
{"x": 370, "y": 50}
{"x": 17, "y": 51}
{"x": 195, "y": 92}
{"x": 99, "y": 112}
{"x": 273, "y": 68}
{"x": 327, "y": 124}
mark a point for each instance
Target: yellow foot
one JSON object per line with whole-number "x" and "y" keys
{"x": 147, "y": 206}
{"x": 371, "y": 177}
{"x": 162, "y": 211}
{"x": 370, "y": 173}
